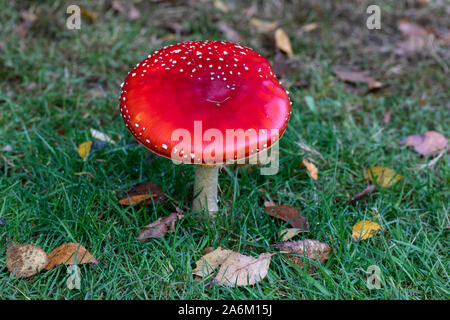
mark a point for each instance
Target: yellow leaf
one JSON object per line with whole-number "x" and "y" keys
{"x": 364, "y": 229}
{"x": 84, "y": 148}
{"x": 384, "y": 177}
{"x": 283, "y": 43}
{"x": 312, "y": 169}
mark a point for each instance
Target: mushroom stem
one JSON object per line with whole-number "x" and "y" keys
{"x": 205, "y": 189}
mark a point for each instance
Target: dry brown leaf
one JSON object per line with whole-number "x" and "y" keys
{"x": 25, "y": 260}
{"x": 289, "y": 213}
{"x": 385, "y": 177}
{"x": 364, "y": 230}
{"x": 357, "y": 76}
{"x": 368, "y": 190}
{"x": 159, "y": 228}
{"x": 426, "y": 143}
{"x": 210, "y": 261}
{"x": 263, "y": 26}
{"x": 68, "y": 254}
{"x": 241, "y": 270}
{"x": 229, "y": 32}
{"x": 283, "y": 42}
{"x": 312, "y": 169}
{"x": 309, "y": 248}
{"x": 143, "y": 194}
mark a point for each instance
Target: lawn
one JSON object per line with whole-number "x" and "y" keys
{"x": 56, "y": 84}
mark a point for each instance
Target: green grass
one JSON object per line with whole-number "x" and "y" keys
{"x": 78, "y": 74}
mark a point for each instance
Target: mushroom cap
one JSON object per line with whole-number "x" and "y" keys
{"x": 205, "y": 102}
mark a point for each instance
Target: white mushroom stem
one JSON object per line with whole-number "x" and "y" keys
{"x": 205, "y": 189}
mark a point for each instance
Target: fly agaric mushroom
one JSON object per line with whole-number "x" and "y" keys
{"x": 206, "y": 103}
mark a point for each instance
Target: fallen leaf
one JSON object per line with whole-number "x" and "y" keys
{"x": 263, "y": 26}
{"x": 368, "y": 190}
{"x": 143, "y": 194}
{"x": 289, "y": 214}
{"x": 25, "y": 260}
{"x": 241, "y": 270}
{"x": 289, "y": 233}
{"x": 307, "y": 248}
{"x": 159, "y": 228}
{"x": 385, "y": 177}
{"x": 364, "y": 230}
{"x": 83, "y": 149}
{"x": 283, "y": 43}
{"x": 101, "y": 136}
{"x": 210, "y": 261}
{"x": 425, "y": 143}
{"x": 68, "y": 254}
{"x": 312, "y": 169}
{"x": 229, "y": 32}
{"x": 357, "y": 76}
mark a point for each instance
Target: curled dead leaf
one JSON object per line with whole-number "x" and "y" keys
{"x": 309, "y": 248}
{"x": 159, "y": 228}
{"x": 68, "y": 254}
{"x": 25, "y": 260}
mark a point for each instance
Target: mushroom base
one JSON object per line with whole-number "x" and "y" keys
{"x": 205, "y": 189}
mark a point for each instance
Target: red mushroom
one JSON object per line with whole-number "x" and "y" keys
{"x": 182, "y": 102}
